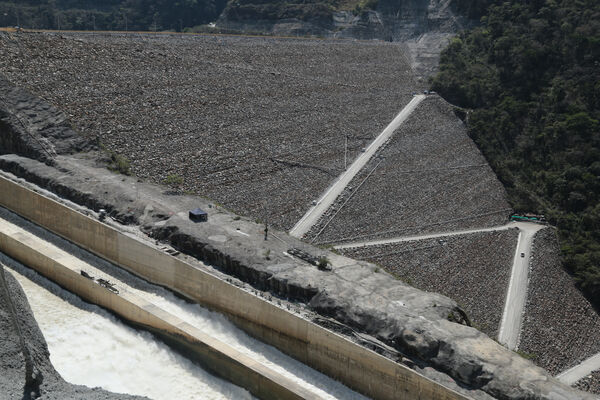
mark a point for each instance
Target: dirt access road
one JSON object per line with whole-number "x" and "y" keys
{"x": 328, "y": 198}
{"x": 512, "y": 317}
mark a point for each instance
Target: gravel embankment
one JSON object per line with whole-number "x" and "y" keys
{"x": 560, "y": 327}
{"x": 217, "y": 110}
{"x": 590, "y": 383}
{"x": 472, "y": 269}
{"x": 432, "y": 179}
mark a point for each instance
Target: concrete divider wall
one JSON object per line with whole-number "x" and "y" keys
{"x": 358, "y": 368}
{"x": 216, "y": 356}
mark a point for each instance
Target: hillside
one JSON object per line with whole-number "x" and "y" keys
{"x": 425, "y": 26}
{"x": 141, "y": 15}
{"x": 529, "y": 74}
{"x": 168, "y": 15}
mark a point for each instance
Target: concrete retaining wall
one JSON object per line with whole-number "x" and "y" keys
{"x": 360, "y": 369}
{"x": 217, "y": 357}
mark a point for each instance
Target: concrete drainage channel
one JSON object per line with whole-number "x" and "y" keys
{"x": 89, "y": 346}
{"x": 289, "y": 378}
{"x": 359, "y": 368}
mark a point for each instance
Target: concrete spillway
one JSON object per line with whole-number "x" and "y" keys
{"x": 211, "y": 323}
{"x": 335, "y": 355}
{"x": 89, "y": 346}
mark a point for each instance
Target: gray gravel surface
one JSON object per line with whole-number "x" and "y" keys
{"x": 472, "y": 269}
{"x": 217, "y": 110}
{"x": 560, "y": 327}
{"x": 432, "y": 179}
{"x": 12, "y": 364}
{"x": 590, "y": 383}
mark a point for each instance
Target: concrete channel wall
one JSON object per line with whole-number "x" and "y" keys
{"x": 360, "y": 369}
{"x": 221, "y": 359}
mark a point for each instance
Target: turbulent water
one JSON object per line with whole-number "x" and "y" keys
{"x": 219, "y": 327}
{"x": 212, "y": 323}
{"x": 89, "y": 346}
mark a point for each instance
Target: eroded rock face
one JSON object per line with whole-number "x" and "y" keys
{"x": 25, "y": 368}
{"x": 31, "y": 127}
{"x": 391, "y": 20}
{"x": 425, "y": 26}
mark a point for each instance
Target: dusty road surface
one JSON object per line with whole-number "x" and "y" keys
{"x": 424, "y": 237}
{"x": 514, "y": 306}
{"x": 327, "y": 199}
{"x": 580, "y": 371}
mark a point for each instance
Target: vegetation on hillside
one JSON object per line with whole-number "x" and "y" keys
{"x": 258, "y": 10}
{"x": 270, "y": 10}
{"x": 530, "y": 73}
{"x": 130, "y": 15}
{"x": 160, "y": 15}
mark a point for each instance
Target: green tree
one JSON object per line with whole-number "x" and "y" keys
{"x": 530, "y": 75}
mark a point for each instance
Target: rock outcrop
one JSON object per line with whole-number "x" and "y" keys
{"x": 390, "y": 20}
{"x": 425, "y": 26}
{"x": 25, "y": 368}
{"x": 31, "y": 127}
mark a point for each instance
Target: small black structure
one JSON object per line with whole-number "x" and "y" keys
{"x": 197, "y": 215}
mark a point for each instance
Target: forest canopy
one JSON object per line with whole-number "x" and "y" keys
{"x": 163, "y": 15}
{"x": 145, "y": 15}
{"x": 530, "y": 76}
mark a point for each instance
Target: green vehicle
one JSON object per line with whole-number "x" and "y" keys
{"x": 540, "y": 219}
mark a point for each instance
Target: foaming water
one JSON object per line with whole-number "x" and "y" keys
{"x": 219, "y": 327}
{"x": 89, "y": 346}
{"x": 212, "y": 323}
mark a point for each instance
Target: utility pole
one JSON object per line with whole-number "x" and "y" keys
{"x": 266, "y": 229}
{"x": 125, "y": 15}
{"x": 346, "y": 153}
{"x": 94, "y": 21}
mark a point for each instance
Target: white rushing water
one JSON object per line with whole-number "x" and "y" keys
{"x": 212, "y": 323}
{"x": 89, "y": 346}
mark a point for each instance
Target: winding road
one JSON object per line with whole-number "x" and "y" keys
{"x": 516, "y": 295}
